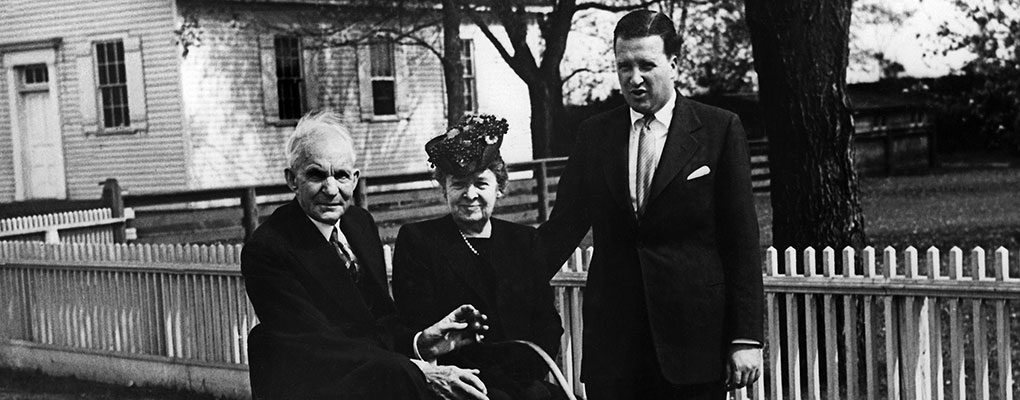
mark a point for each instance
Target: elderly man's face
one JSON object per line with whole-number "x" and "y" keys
{"x": 324, "y": 177}
{"x": 646, "y": 72}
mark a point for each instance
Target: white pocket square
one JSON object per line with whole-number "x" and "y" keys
{"x": 700, "y": 172}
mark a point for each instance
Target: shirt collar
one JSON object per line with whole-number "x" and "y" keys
{"x": 326, "y": 229}
{"x": 664, "y": 115}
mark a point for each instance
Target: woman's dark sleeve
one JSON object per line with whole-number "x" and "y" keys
{"x": 413, "y": 283}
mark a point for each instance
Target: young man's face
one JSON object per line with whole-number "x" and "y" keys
{"x": 646, "y": 73}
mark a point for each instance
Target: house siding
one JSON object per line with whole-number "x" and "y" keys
{"x": 232, "y": 143}
{"x": 148, "y": 161}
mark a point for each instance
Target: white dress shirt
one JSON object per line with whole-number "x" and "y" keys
{"x": 327, "y": 230}
{"x": 659, "y": 129}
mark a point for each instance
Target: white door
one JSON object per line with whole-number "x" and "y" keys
{"x": 42, "y": 159}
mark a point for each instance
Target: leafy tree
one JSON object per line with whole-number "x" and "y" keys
{"x": 991, "y": 103}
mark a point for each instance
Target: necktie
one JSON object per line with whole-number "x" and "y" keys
{"x": 645, "y": 162}
{"x": 349, "y": 263}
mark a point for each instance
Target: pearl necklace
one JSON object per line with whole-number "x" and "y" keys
{"x": 467, "y": 242}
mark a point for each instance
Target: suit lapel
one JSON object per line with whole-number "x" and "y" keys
{"x": 680, "y": 146}
{"x": 323, "y": 264}
{"x": 615, "y": 148}
{"x": 461, "y": 260}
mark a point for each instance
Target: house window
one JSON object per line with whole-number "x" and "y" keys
{"x": 383, "y": 78}
{"x": 467, "y": 59}
{"x": 113, "y": 88}
{"x": 35, "y": 74}
{"x": 289, "y": 82}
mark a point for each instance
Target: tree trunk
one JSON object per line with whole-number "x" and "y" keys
{"x": 800, "y": 54}
{"x": 547, "y": 111}
{"x": 453, "y": 69}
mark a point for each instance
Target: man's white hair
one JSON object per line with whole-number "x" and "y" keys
{"x": 324, "y": 122}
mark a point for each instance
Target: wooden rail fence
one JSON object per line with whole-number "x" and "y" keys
{"x": 844, "y": 325}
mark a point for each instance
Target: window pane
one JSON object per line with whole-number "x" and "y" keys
{"x": 381, "y": 59}
{"x": 467, "y": 59}
{"x": 383, "y": 97}
{"x": 111, "y": 71}
{"x": 35, "y": 74}
{"x": 289, "y": 81}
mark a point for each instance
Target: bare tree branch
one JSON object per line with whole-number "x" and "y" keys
{"x": 477, "y": 19}
{"x": 611, "y": 8}
{"x": 576, "y": 72}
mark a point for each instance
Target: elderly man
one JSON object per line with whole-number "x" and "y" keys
{"x": 673, "y": 302}
{"x": 314, "y": 273}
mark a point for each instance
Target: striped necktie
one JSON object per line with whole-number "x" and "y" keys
{"x": 349, "y": 263}
{"x": 645, "y": 161}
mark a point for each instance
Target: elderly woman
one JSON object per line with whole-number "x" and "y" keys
{"x": 468, "y": 257}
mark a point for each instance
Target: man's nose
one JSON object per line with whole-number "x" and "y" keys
{"x": 330, "y": 187}
{"x": 636, "y": 79}
{"x": 471, "y": 193}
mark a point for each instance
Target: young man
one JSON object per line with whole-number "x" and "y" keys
{"x": 673, "y": 302}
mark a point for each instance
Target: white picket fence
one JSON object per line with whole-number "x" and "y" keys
{"x": 897, "y": 327}
{"x": 82, "y": 226}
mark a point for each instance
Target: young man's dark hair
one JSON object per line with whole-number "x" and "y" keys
{"x": 643, "y": 23}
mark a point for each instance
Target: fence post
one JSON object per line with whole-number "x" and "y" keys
{"x": 542, "y": 187}
{"x": 250, "y": 209}
{"x": 113, "y": 198}
{"x": 889, "y": 157}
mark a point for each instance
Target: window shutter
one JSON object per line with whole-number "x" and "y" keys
{"x": 134, "y": 74}
{"x": 401, "y": 88}
{"x": 310, "y": 62}
{"x": 270, "y": 101}
{"x": 365, "y": 82}
{"x": 87, "y": 90}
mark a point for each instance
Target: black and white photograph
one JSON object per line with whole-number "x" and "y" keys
{"x": 510, "y": 199}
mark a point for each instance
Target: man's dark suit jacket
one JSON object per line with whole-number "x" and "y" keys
{"x": 687, "y": 272}
{"x": 434, "y": 270}
{"x": 316, "y": 325}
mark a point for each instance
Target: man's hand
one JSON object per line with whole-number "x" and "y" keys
{"x": 453, "y": 383}
{"x": 744, "y": 366}
{"x": 463, "y": 326}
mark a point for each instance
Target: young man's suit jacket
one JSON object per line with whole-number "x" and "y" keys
{"x": 687, "y": 271}
{"x": 316, "y": 326}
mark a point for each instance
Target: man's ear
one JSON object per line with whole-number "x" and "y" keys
{"x": 291, "y": 179}
{"x": 355, "y": 175}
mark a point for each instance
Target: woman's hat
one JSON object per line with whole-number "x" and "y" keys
{"x": 468, "y": 147}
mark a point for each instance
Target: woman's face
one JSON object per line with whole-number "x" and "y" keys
{"x": 472, "y": 198}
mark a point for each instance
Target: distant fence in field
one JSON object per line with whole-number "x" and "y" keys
{"x": 83, "y": 226}
{"x": 839, "y": 325}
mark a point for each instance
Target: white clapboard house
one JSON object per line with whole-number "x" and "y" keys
{"x": 102, "y": 89}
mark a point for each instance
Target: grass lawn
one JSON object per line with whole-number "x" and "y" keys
{"x": 22, "y": 385}
{"x": 958, "y": 206}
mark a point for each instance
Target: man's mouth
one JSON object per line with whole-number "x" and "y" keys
{"x": 638, "y": 92}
